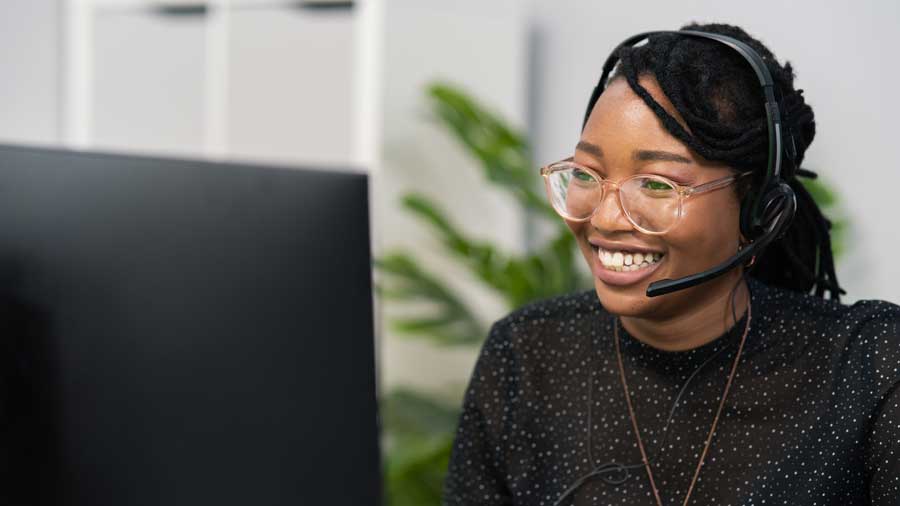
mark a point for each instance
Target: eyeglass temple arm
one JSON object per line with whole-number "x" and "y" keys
{"x": 719, "y": 183}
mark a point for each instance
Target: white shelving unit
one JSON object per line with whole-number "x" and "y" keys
{"x": 259, "y": 80}
{"x": 32, "y": 68}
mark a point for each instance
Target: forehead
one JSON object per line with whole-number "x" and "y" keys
{"x": 621, "y": 119}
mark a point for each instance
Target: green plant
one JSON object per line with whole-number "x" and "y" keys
{"x": 418, "y": 428}
{"x": 828, "y": 202}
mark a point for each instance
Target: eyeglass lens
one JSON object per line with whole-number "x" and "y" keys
{"x": 650, "y": 203}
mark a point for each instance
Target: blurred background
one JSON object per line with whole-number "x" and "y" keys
{"x": 450, "y": 107}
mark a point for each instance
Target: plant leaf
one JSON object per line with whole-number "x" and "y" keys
{"x": 502, "y": 151}
{"x": 828, "y": 202}
{"x": 451, "y": 323}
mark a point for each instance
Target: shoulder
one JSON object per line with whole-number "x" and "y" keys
{"x": 784, "y": 307}
{"x": 542, "y": 327}
{"x": 871, "y": 329}
{"x": 861, "y": 339}
{"x": 549, "y": 313}
{"x": 863, "y": 317}
{"x": 555, "y": 308}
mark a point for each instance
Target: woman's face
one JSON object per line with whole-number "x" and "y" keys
{"x": 624, "y": 137}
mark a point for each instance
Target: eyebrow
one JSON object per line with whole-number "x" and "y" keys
{"x": 640, "y": 155}
{"x": 658, "y": 156}
{"x": 589, "y": 148}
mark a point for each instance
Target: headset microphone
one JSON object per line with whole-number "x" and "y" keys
{"x": 778, "y": 227}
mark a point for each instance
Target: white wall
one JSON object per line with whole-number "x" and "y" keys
{"x": 844, "y": 57}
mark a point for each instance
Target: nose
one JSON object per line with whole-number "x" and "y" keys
{"x": 608, "y": 215}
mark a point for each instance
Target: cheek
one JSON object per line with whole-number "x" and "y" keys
{"x": 581, "y": 230}
{"x": 709, "y": 230}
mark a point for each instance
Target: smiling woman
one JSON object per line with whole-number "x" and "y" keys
{"x": 745, "y": 385}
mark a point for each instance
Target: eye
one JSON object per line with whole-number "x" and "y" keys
{"x": 582, "y": 176}
{"x": 655, "y": 185}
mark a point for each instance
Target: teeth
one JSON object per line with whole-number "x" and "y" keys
{"x": 624, "y": 261}
{"x": 617, "y": 259}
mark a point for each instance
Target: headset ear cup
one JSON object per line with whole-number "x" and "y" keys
{"x": 784, "y": 203}
{"x": 779, "y": 206}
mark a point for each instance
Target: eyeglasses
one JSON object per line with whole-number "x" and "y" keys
{"x": 653, "y": 204}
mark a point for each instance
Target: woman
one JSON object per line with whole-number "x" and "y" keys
{"x": 750, "y": 388}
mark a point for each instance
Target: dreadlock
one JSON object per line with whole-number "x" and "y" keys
{"x": 718, "y": 95}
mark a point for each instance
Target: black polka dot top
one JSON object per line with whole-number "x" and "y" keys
{"x": 812, "y": 417}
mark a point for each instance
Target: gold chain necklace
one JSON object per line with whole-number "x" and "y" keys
{"x": 715, "y": 420}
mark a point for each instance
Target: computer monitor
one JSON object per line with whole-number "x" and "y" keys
{"x": 184, "y": 332}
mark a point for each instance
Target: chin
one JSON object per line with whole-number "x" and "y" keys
{"x": 626, "y": 301}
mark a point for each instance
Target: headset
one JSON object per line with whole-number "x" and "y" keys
{"x": 765, "y": 213}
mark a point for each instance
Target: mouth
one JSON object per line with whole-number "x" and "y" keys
{"x": 624, "y": 267}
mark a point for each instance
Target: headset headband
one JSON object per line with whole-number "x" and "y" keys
{"x": 773, "y": 108}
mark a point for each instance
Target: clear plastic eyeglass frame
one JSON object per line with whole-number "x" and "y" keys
{"x": 684, "y": 192}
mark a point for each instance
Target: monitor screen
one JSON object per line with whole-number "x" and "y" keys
{"x": 184, "y": 332}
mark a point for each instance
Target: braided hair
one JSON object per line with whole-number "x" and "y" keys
{"x": 718, "y": 95}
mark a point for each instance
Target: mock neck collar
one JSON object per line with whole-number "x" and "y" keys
{"x": 680, "y": 361}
